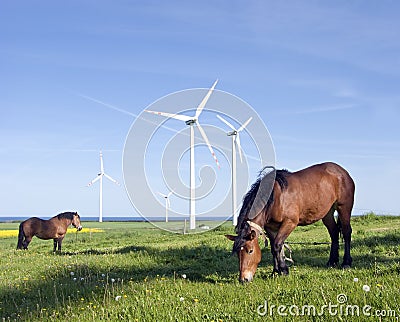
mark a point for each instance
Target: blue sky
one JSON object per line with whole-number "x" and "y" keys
{"x": 323, "y": 76}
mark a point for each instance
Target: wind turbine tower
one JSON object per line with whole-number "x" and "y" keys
{"x": 192, "y": 121}
{"x": 234, "y": 134}
{"x": 100, "y": 177}
{"x": 167, "y": 203}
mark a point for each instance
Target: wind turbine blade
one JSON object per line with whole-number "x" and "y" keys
{"x": 94, "y": 180}
{"x": 226, "y": 122}
{"x": 239, "y": 148}
{"x": 245, "y": 124}
{"x": 204, "y": 101}
{"x": 162, "y": 195}
{"x": 203, "y": 134}
{"x": 111, "y": 179}
{"x": 101, "y": 163}
{"x": 170, "y": 115}
{"x": 168, "y": 203}
{"x": 170, "y": 193}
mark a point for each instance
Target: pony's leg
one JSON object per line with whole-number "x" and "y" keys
{"x": 333, "y": 229}
{"x": 277, "y": 248}
{"x": 55, "y": 244}
{"x": 26, "y": 242}
{"x": 59, "y": 243}
{"x": 344, "y": 217}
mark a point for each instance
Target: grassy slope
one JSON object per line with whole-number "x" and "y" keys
{"x": 133, "y": 271}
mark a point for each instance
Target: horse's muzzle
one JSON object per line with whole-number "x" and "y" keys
{"x": 246, "y": 277}
{"x": 79, "y": 228}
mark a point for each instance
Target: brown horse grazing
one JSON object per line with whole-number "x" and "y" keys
{"x": 279, "y": 201}
{"x": 54, "y": 228}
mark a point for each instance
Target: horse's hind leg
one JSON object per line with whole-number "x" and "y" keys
{"x": 344, "y": 217}
{"x": 55, "y": 241}
{"x": 26, "y": 242}
{"x": 333, "y": 229}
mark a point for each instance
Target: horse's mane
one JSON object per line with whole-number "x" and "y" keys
{"x": 68, "y": 215}
{"x": 248, "y": 199}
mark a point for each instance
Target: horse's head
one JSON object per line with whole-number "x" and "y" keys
{"x": 76, "y": 221}
{"x": 246, "y": 246}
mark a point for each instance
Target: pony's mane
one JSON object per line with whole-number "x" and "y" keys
{"x": 68, "y": 215}
{"x": 248, "y": 199}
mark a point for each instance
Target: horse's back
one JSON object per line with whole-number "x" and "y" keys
{"x": 35, "y": 226}
{"x": 331, "y": 171}
{"x": 35, "y": 221}
{"x": 31, "y": 224}
{"x": 316, "y": 189}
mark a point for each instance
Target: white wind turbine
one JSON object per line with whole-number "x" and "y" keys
{"x": 235, "y": 143}
{"x": 167, "y": 203}
{"x": 100, "y": 177}
{"x": 191, "y": 121}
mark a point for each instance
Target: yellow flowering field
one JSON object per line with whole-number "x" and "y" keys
{"x": 14, "y": 232}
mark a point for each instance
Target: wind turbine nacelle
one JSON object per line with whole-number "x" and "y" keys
{"x": 231, "y": 133}
{"x": 190, "y": 122}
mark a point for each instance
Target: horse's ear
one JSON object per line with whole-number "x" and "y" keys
{"x": 231, "y": 237}
{"x": 253, "y": 234}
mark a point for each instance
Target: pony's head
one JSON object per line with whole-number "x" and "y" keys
{"x": 246, "y": 246}
{"x": 76, "y": 221}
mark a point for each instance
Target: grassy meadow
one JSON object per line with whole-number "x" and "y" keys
{"x": 135, "y": 272}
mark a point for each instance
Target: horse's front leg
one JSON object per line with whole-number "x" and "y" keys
{"x": 276, "y": 254}
{"x": 277, "y": 247}
{"x": 271, "y": 236}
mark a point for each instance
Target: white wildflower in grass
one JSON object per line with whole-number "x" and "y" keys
{"x": 183, "y": 275}
{"x": 112, "y": 280}
{"x": 74, "y": 279}
{"x": 72, "y": 273}
{"x": 103, "y": 275}
{"x": 366, "y": 288}
{"x": 117, "y": 298}
{"x": 181, "y": 299}
{"x": 355, "y": 279}
{"x": 82, "y": 279}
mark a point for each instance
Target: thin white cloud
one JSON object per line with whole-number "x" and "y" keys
{"x": 322, "y": 109}
{"x": 325, "y": 109}
{"x": 107, "y": 105}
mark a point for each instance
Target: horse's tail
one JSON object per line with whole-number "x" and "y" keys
{"x": 21, "y": 236}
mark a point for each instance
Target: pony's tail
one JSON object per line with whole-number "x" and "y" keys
{"x": 20, "y": 237}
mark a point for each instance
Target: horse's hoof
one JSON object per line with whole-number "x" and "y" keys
{"x": 285, "y": 272}
{"x": 274, "y": 273}
{"x": 346, "y": 266}
{"x": 332, "y": 264}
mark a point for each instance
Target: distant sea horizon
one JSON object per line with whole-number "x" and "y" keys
{"x": 122, "y": 218}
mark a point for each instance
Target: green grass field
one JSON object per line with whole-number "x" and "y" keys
{"x": 135, "y": 272}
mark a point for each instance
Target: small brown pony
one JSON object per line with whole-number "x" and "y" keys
{"x": 54, "y": 228}
{"x": 279, "y": 201}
